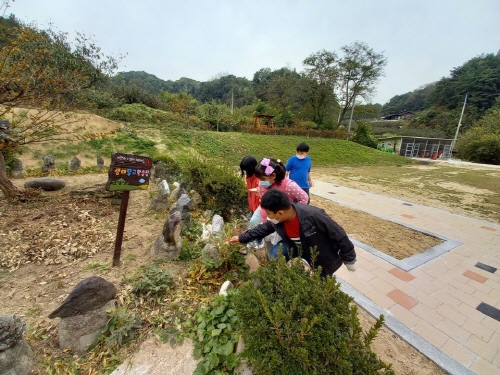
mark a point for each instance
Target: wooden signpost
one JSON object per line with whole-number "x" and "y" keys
{"x": 127, "y": 172}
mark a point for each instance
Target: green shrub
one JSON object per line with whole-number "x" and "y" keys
{"x": 293, "y": 323}
{"x": 151, "y": 281}
{"x": 479, "y": 147}
{"x": 214, "y": 336}
{"x": 171, "y": 166}
{"x": 9, "y": 157}
{"x": 363, "y": 136}
{"x": 221, "y": 189}
{"x": 120, "y": 327}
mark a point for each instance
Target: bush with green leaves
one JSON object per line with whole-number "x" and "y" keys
{"x": 150, "y": 281}
{"x": 120, "y": 327}
{"x": 172, "y": 167}
{"x": 221, "y": 189}
{"x": 296, "y": 324}
{"x": 214, "y": 333}
{"x": 481, "y": 143}
{"x": 363, "y": 136}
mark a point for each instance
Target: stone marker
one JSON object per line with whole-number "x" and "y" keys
{"x": 17, "y": 170}
{"x": 100, "y": 163}
{"x": 89, "y": 294}
{"x": 169, "y": 244}
{"x": 83, "y": 313}
{"x": 163, "y": 187}
{"x": 217, "y": 224}
{"x": 49, "y": 164}
{"x": 74, "y": 164}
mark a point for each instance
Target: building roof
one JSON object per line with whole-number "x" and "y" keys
{"x": 409, "y": 136}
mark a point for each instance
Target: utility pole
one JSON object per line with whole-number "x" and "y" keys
{"x": 458, "y": 127}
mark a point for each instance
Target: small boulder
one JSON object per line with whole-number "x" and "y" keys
{"x": 183, "y": 205}
{"x": 16, "y": 356}
{"x": 47, "y": 184}
{"x": 79, "y": 331}
{"x": 196, "y": 199}
{"x": 252, "y": 262}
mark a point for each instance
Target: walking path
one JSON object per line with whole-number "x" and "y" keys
{"x": 445, "y": 302}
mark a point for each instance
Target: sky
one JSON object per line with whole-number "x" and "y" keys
{"x": 200, "y": 39}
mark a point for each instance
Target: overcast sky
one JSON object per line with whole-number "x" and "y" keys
{"x": 422, "y": 39}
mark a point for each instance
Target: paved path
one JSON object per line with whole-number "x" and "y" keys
{"x": 448, "y": 301}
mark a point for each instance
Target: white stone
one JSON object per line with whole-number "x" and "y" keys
{"x": 163, "y": 187}
{"x": 217, "y": 224}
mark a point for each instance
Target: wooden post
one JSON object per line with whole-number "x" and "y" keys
{"x": 120, "y": 228}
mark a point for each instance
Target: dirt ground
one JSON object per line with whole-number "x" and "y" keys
{"x": 77, "y": 235}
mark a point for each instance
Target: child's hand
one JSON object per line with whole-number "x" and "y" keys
{"x": 233, "y": 240}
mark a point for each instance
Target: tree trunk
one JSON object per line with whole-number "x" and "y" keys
{"x": 7, "y": 187}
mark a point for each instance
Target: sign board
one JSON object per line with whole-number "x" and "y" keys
{"x": 129, "y": 172}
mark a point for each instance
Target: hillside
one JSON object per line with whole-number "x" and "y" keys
{"x": 152, "y": 140}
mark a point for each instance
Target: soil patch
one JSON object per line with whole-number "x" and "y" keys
{"x": 390, "y": 238}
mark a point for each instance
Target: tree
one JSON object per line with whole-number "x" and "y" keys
{"x": 323, "y": 74}
{"x": 40, "y": 71}
{"x": 350, "y": 76}
{"x": 363, "y": 136}
{"x": 359, "y": 70}
{"x": 479, "y": 77}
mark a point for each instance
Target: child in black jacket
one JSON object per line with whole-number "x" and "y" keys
{"x": 304, "y": 227}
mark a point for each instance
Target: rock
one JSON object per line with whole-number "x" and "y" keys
{"x": 227, "y": 285}
{"x": 17, "y": 360}
{"x": 252, "y": 262}
{"x": 217, "y": 224}
{"x": 176, "y": 185}
{"x": 17, "y": 170}
{"x": 49, "y": 164}
{"x": 155, "y": 358}
{"x": 169, "y": 244}
{"x": 175, "y": 195}
{"x": 47, "y": 184}
{"x": 100, "y": 163}
{"x": 196, "y": 199}
{"x": 78, "y": 331}
{"x": 162, "y": 249}
{"x": 163, "y": 188}
{"x": 11, "y": 331}
{"x": 16, "y": 356}
{"x": 211, "y": 251}
{"x": 74, "y": 164}
{"x": 159, "y": 203}
{"x": 159, "y": 173}
{"x": 182, "y": 205}
{"x": 90, "y": 294}
{"x": 206, "y": 231}
{"x": 207, "y": 214}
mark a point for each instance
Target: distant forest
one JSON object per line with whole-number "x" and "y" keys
{"x": 437, "y": 103}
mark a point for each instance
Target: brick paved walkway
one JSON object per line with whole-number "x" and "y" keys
{"x": 452, "y": 301}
